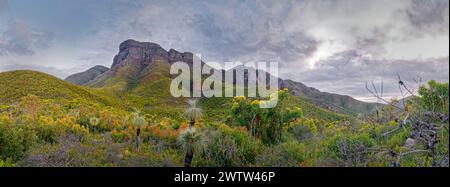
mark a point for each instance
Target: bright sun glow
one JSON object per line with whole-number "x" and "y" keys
{"x": 324, "y": 51}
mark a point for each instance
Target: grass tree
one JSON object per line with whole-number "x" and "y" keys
{"x": 94, "y": 121}
{"x": 193, "y": 112}
{"x": 138, "y": 121}
{"x": 192, "y": 142}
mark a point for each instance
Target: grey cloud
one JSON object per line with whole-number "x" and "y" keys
{"x": 253, "y": 31}
{"x": 261, "y": 30}
{"x": 60, "y": 73}
{"x": 220, "y": 30}
{"x": 287, "y": 31}
{"x": 347, "y": 73}
{"x": 19, "y": 39}
{"x": 429, "y": 15}
{"x": 3, "y": 5}
{"x": 4, "y": 13}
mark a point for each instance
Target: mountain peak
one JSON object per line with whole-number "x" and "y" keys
{"x": 175, "y": 56}
{"x": 142, "y": 52}
{"x": 130, "y": 43}
{"x": 99, "y": 68}
{"x": 87, "y": 76}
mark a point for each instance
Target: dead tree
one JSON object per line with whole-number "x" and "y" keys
{"x": 424, "y": 128}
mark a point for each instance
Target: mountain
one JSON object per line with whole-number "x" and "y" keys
{"x": 339, "y": 103}
{"x": 335, "y": 102}
{"x": 17, "y": 84}
{"x": 141, "y": 71}
{"x": 86, "y": 76}
{"x": 138, "y": 61}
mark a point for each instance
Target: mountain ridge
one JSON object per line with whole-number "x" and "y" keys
{"x": 86, "y": 76}
{"x": 137, "y": 61}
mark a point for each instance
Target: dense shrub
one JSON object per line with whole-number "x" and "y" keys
{"x": 289, "y": 154}
{"x": 37, "y": 132}
{"x": 120, "y": 136}
{"x": 15, "y": 140}
{"x": 349, "y": 150}
{"x": 267, "y": 124}
{"x": 302, "y": 132}
{"x": 7, "y": 163}
{"x": 230, "y": 147}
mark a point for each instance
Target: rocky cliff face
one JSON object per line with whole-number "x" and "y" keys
{"x": 145, "y": 53}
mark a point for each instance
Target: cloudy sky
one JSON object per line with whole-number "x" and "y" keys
{"x": 333, "y": 45}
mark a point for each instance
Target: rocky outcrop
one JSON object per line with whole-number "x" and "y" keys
{"x": 145, "y": 53}
{"x": 175, "y": 56}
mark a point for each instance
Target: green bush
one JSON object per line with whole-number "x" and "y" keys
{"x": 120, "y": 137}
{"x": 230, "y": 147}
{"x": 301, "y": 132}
{"x": 289, "y": 154}
{"x": 349, "y": 150}
{"x": 15, "y": 140}
{"x": 49, "y": 133}
{"x": 7, "y": 163}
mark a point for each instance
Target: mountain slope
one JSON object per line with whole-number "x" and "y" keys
{"x": 85, "y": 77}
{"x": 140, "y": 72}
{"x": 334, "y": 102}
{"x": 339, "y": 103}
{"x": 17, "y": 84}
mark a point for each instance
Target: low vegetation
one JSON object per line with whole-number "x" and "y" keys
{"x": 87, "y": 127}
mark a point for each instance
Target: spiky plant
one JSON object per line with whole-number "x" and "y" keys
{"x": 94, "y": 121}
{"x": 139, "y": 121}
{"x": 192, "y": 142}
{"x": 193, "y": 112}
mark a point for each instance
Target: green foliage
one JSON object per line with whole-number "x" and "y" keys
{"x": 15, "y": 140}
{"x": 193, "y": 112}
{"x": 434, "y": 97}
{"x": 349, "y": 150}
{"x": 7, "y": 163}
{"x": 18, "y": 84}
{"x": 230, "y": 147}
{"x": 265, "y": 123}
{"x": 192, "y": 140}
{"x": 47, "y": 122}
{"x": 120, "y": 137}
{"x": 303, "y": 132}
{"x": 138, "y": 120}
{"x": 288, "y": 154}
